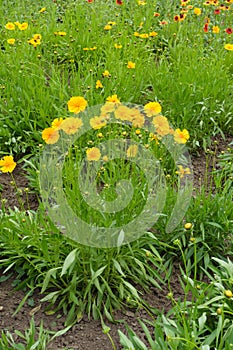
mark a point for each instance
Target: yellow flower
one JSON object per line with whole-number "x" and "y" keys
{"x": 7, "y": 164}
{"x": 152, "y": 108}
{"x": 197, "y": 11}
{"x": 98, "y": 85}
{"x": 56, "y": 123}
{"x": 71, "y": 125}
{"x": 106, "y": 74}
{"x": 132, "y": 151}
{"x": 122, "y": 113}
{"x": 77, "y": 104}
{"x": 60, "y": 33}
{"x": 228, "y": 47}
{"x": 50, "y": 135}
{"x": 23, "y": 26}
{"x": 10, "y": 26}
{"x": 11, "y": 41}
{"x": 131, "y": 65}
{"x": 107, "y": 27}
{"x": 105, "y": 158}
{"x": 153, "y": 34}
{"x": 216, "y": 29}
{"x": 228, "y": 293}
{"x": 143, "y": 36}
{"x": 141, "y": 2}
{"x": 181, "y": 136}
{"x": 93, "y": 154}
{"x": 183, "y": 171}
{"x": 17, "y": 23}
{"x": 117, "y": 46}
{"x": 188, "y": 225}
{"x": 97, "y": 122}
{"x": 34, "y": 42}
{"x": 42, "y": 10}
{"x": 113, "y": 99}
{"x": 161, "y": 124}
{"x": 107, "y": 108}
{"x": 37, "y": 36}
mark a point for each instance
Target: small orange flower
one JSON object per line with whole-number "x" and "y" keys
{"x": 50, "y": 135}
{"x": 7, "y": 164}
{"x": 71, "y": 125}
{"x": 93, "y": 154}
{"x": 77, "y": 104}
{"x": 181, "y": 136}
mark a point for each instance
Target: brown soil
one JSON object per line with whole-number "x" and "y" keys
{"x": 87, "y": 334}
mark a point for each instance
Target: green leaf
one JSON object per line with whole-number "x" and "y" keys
{"x": 68, "y": 261}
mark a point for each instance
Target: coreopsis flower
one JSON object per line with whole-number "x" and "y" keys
{"x": 77, "y": 104}
{"x": 215, "y": 29}
{"x": 181, "y": 136}
{"x": 7, "y": 164}
{"x": 42, "y": 10}
{"x": 71, "y": 125}
{"x": 106, "y": 74}
{"x": 228, "y": 47}
{"x": 107, "y": 27}
{"x": 10, "y": 26}
{"x": 119, "y": 2}
{"x": 153, "y": 34}
{"x": 183, "y": 171}
{"x": 156, "y": 14}
{"x": 113, "y": 99}
{"x": 98, "y": 122}
{"x": 131, "y": 65}
{"x": 197, "y": 11}
{"x": 37, "y": 36}
{"x": 23, "y": 26}
{"x": 50, "y": 135}
{"x": 107, "y": 108}
{"x": 11, "y": 41}
{"x": 229, "y": 30}
{"x": 98, "y": 85}
{"x": 93, "y": 154}
{"x": 141, "y": 2}
{"x": 217, "y": 11}
{"x": 152, "y": 108}
{"x": 56, "y": 123}
{"x": 122, "y": 113}
{"x": 132, "y": 151}
{"x": 60, "y": 33}
{"x": 182, "y": 16}
{"x": 161, "y": 125}
{"x": 117, "y": 46}
{"x": 143, "y": 35}
{"x": 34, "y": 42}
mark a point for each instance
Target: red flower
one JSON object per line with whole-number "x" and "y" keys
{"x": 206, "y": 28}
{"x": 119, "y": 2}
{"x": 90, "y": 0}
{"x": 229, "y": 30}
{"x": 217, "y": 11}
